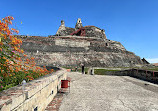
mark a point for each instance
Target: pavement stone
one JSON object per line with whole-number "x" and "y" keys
{"x": 109, "y": 93}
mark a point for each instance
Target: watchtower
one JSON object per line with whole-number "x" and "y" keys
{"x": 78, "y": 24}
{"x": 61, "y": 28}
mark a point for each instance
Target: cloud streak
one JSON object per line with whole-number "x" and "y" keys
{"x": 152, "y": 60}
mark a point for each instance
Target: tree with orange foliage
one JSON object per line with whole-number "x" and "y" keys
{"x": 14, "y": 64}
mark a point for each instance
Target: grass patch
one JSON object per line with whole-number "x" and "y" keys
{"x": 103, "y": 71}
{"x": 151, "y": 69}
{"x": 85, "y": 69}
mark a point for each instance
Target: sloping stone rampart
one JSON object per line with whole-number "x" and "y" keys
{"x": 74, "y": 50}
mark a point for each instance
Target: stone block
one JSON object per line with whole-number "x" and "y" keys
{"x": 39, "y": 94}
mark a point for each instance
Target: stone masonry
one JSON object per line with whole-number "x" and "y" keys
{"x": 70, "y": 48}
{"x": 67, "y": 51}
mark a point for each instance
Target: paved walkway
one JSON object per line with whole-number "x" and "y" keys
{"x": 109, "y": 93}
{"x": 55, "y": 103}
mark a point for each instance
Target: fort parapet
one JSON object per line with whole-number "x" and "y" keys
{"x": 36, "y": 95}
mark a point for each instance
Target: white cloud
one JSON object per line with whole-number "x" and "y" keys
{"x": 152, "y": 60}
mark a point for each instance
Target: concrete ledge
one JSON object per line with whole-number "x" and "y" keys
{"x": 37, "y": 94}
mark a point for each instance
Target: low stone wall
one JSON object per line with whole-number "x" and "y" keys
{"x": 36, "y": 96}
{"x": 147, "y": 75}
{"x": 151, "y": 76}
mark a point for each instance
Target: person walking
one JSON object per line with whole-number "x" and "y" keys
{"x": 76, "y": 68}
{"x": 82, "y": 68}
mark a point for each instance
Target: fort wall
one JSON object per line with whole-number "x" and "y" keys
{"x": 147, "y": 75}
{"x": 36, "y": 96}
{"x": 76, "y": 50}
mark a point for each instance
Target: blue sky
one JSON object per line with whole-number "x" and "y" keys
{"x": 134, "y": 23}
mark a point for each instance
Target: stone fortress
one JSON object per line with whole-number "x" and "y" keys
{"x": 86, "y": 45}
{"x": 79, "y": 30}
